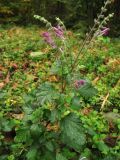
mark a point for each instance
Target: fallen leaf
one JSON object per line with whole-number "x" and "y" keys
{"x": 18, "y": 116}
{"x": 15, "y": 85}
{"x": 7, "y": 79}
{"x": 1, "y": 68}
{"x": 114, "y": 63}
{"x": 86, "y": 111}
{"x": 52, "y": 127}
{"x": 95, "y": 80}
{"x": 110, "y": 141}
{"x": 9, "y": 136}
{"x": 2, "y": 84}
{"x": 15, "y": 66}
{"x": 104, "y": 101}
{"x": 53, "y": 78}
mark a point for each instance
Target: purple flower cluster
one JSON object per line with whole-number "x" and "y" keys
{"x": 79, "y": 83}
{"x": 59, "y": 31}
{"x": 48, "y": 39}
{"x": 48, "y": 36}
{"x": 105, "y": 31}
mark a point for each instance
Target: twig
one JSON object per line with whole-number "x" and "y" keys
{"x": 104, "y": 102}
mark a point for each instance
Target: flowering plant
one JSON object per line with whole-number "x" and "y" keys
{"x": 54, "y": 117}
{"x": 58, "y": 39}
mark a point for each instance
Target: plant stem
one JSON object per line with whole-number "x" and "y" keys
{"x": 88, "y": 38}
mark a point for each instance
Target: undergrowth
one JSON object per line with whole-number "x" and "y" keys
{"x": 31, "y": 127}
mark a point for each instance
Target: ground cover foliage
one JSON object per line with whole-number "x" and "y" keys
{"x": 59, "y": 115}
{"x": 32, "y": 126}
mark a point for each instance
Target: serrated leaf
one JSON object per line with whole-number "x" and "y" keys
{"x": 75, "y": 103}
{"x": 22, "y": 135}
{"x": 49, "y": 146}
{"x": 31, "y": 155}
{"x": 54, "y": 115}
{"x": 56, "y": 68}
{"x": 46, "y": 93}
{"x": 72, "y": 132}
{"x": 59, "y": 156}
{"x": 87, "y": 91}
{"x": 35, "y": 130}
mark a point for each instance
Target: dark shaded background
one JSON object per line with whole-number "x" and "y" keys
{"x": 77, "y": 14}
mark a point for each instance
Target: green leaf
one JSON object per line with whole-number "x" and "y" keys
{"x": 87, "y": 91}
{"x": 59, "y": 156}
{"x": 37, "y": 115}
{"x": 56, "y": 67}
{"x": 111, "y": 158}
{"x": 49, "y": 146}
{"x": 6, "y": 125}
{"x": 37, "y": 54}
{"x": 54, "y": 115}
{"x": 47, "y": 155}
{"x": 23, "y": 135}
{"x": 35, "y": 130}
{"x": 103, "y": 147}
{"x": 68, "y": 153}
{"x": 31, "y": 155}
{"x": 75, "y": 103}
{"x": 46, "y": 93}
{"x": 72, "y": 132}
{"x": 11, "y": 157}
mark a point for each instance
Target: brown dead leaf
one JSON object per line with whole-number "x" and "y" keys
{"x": 7, "y": 79}
{"x": 53, "y": 78}
{"x": 70, "y": 34}
{"x": 15, "y": 85}
{"x": 46, "y": 50}
{"x": 86, "y": 111}
{"x": 110, "y": 141}
{"x": 111, "y": 126}
{"x": 95, "y": 80}
{"x": 104, "y": 101}
{"x": 1, "y": 68}
{"x": 2, "y": 84}
{"x": 114, "y": 63}
{"x": 18, "y": 116}
{"x": 9, "y": 136}
{"x": 54, "y": 127}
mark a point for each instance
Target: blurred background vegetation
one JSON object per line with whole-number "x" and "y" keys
{"x": 76, "y": 14}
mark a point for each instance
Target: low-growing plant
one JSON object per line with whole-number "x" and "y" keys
{"x": 55, "y": 125}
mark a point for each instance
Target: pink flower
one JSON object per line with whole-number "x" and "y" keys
{"x": 58, "y": 31}
{"x": 46, "y": 34}
{"x": 79, "y": 83}
{"x": 48, "y": 39}
{"x": 105, "y": 31}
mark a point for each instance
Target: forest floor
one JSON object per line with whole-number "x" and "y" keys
{"x": 21, "y": 72}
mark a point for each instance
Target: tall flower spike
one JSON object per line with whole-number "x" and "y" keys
{"x": 48, "y": 39}
{"x": 58, "y": 31}
{"x": 102, "y": 32}
{"x": 105, "y": 31}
